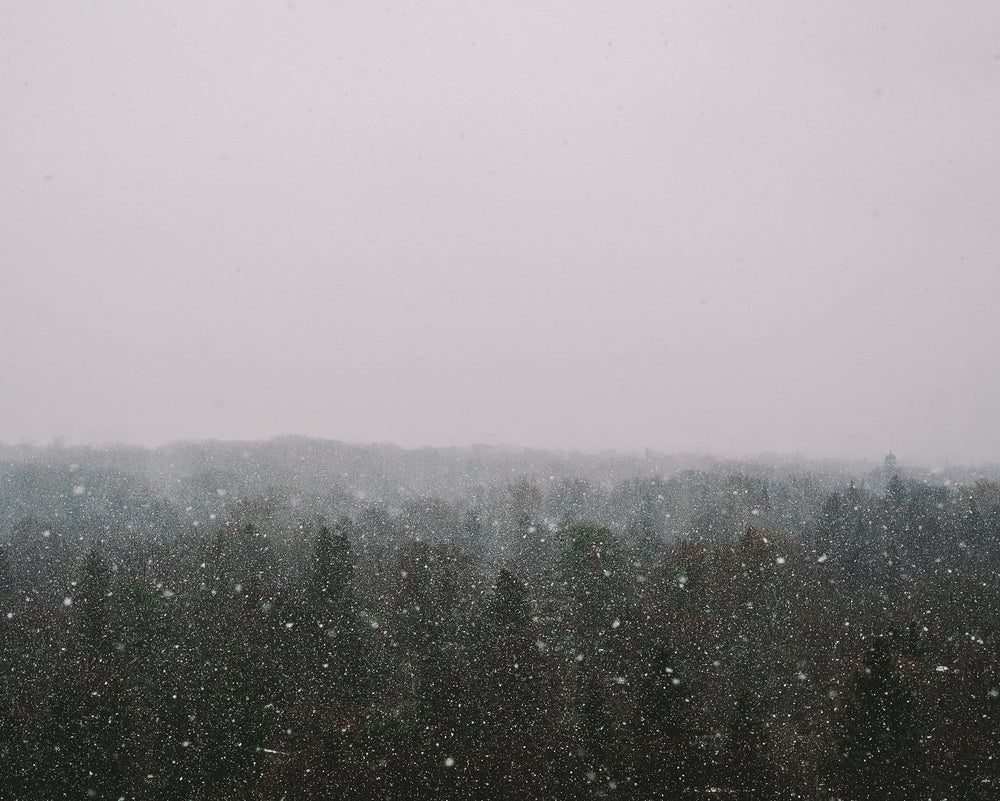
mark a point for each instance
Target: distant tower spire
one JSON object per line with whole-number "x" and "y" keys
{"x": 890, "y": 469}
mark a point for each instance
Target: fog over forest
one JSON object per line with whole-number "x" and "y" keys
{"x": 301, "y": 618}
{"x": 492, "y": 401}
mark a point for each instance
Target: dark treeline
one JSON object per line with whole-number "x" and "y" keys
{"x": 224, "y": 621}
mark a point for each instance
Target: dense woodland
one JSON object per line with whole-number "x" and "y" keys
{"x": 311, "y": 620}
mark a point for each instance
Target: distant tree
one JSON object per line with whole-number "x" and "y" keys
{"x": 877, "y": 735}
{"x": 331, "y": 580}
{"x": 592, "y": 569}
{"x": 42, "y": 558}
{"x": 12, "y": 656}
{"x": 431, "y": 520}
{"x": 512, "y": 661}
{"x": 509, "y": 693}
{"x": 332, "y": 652}
{"x": 509, "y": 610}
{"x": 473, "y": 532}
{"x": 520, "y": 521}
{"x": 571, "y": 500}
{"x": 241, "y": 563}
{"x": 431, "y": 626}
{"x": 92, "y": 596}
{"x": 663, "y": 754}
{"x": 7, "y": 594}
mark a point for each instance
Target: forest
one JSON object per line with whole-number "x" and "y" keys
{"x": 304, "y": 619}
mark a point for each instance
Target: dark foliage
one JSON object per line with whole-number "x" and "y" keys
{"x": 661, "y": 638}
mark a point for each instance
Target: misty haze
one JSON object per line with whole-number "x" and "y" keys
{"x": 440, "y": 400}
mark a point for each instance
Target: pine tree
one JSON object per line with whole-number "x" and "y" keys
{"x": 877, "y": 736}
{"x": 92, "y": 597}
{"x": 331, "y": 583}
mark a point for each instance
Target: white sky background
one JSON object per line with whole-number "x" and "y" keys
{"x": 688, "y": 226}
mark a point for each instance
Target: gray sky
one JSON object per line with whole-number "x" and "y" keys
{"x": 723, "y": 227}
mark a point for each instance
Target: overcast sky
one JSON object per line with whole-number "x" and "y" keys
{"x": 724, "y": 227}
